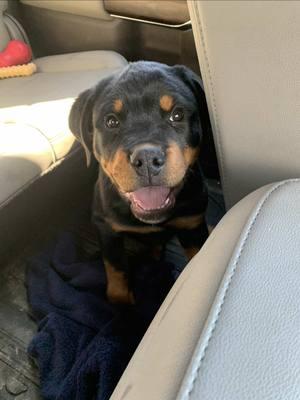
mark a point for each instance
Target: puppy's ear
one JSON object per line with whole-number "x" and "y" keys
{"x": 195, "y": 84}
{"x": 80, "y": 121}
{"x": 193, "y": 81}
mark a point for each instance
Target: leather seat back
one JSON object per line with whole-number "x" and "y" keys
{"x": 250, "y": 62}
{"x": 4, "y": 36}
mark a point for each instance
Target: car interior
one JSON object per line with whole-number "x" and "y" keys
{"x": 229, "y": 327}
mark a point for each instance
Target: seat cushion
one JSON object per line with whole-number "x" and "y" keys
{"x": 24, "y": 154}
{"x": 40, "y": 104}
{"x": 249, "y": 347}
{"x": 84, "y": 61}
{"x": 229, "y": 326}
{"x": 44, "y": 99}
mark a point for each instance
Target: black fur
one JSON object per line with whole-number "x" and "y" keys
{"x": 142, "y": 120}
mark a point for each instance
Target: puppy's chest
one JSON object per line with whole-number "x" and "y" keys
{"x": 149, "y": 240}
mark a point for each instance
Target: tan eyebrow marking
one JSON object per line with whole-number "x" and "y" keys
{"x": 118, "y": 105}
{"x": 166, "y": 102}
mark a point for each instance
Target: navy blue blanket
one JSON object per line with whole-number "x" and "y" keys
{"x": 83, "y": 343}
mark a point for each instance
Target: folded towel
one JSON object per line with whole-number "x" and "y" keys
{"x": 83, "y": 343}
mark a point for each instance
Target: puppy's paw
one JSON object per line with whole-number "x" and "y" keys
{"x": 119, "y": 295}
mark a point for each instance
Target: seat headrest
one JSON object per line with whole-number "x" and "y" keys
{"x": 4, "y": 36}
{"x": 3, "y": 5}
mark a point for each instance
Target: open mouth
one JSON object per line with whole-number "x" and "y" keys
{"x": 151, "y": 203}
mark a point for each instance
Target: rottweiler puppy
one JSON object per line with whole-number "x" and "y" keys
{"x": 144, "y": 125}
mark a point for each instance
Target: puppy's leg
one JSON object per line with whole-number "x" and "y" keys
{"x": 117, "y": 285}
{"x": 115, "y": 261}
{"x": 192, "y": 240}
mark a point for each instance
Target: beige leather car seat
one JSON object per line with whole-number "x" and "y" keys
{"x": 250, "y": 63}
{"x": 34, "y": 133}
{"x": 229, "y": 328}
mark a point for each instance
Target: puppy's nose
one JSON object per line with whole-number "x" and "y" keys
{"x": 148, "y": 160}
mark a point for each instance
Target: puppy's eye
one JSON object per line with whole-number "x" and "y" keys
{"x": 112, "y": 122}
{"x": 177, "y": 115}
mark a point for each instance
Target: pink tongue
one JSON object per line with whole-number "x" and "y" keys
{"x": 151, "y": 197}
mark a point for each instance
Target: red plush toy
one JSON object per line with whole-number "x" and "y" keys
{"x": 14, "y": 60}
{"x": 15, "y": 53}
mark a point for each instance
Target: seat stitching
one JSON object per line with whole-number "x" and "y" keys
{"x": 213, "y": 325}
{"x": 218, "y": 135}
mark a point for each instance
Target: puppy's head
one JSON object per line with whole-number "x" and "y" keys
{"x": 143, "y": 125}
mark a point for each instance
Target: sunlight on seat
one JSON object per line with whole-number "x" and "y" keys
{"x": 49, "y": 117}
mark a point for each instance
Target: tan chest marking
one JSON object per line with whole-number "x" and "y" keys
{"x": 134, "y": 229}
{"x": 187, "y": 222}
{"x": 117, "y": 285}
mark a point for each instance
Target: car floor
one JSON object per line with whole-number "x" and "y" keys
{"x": 18, "y": 374}
{"x": 19, "y": 377}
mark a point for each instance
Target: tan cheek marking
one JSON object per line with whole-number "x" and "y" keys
{"x": 191, "y": 154}
{"x": 175, "y": 166}
{"x": 105, "y": 166}
{"x": 118, "y": 105}
{"x": 120, "y": 171}
{"x": 166, "y": 102}
{"x": 117, "y": 286}
{"x": 187, "y": 222}
{"x": 178, "y": 161}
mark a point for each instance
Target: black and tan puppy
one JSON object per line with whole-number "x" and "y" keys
{"x": 144, "y": 127}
